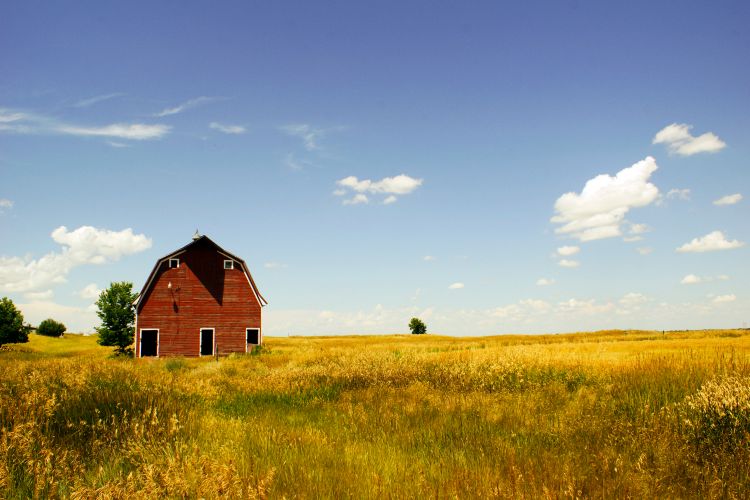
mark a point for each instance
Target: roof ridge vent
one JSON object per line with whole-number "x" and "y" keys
{"x": 197, "y": 235}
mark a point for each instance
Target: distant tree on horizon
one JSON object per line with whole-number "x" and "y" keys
{"x": 116, "y": 310}
{"x": 12, "y": 329}
{"x": 51, "y": 328}
{"x": 417, "y": 326}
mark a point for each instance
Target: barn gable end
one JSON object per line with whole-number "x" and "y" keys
{"x": 198, "y": 300}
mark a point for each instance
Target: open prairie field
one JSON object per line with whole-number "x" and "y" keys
{"x": 605, "y": 414}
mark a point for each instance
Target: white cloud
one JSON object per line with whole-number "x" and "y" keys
{"x": 725, "y": 298}
{"x": 633, "y": 299}
{"x": 644, "y": 250}
{"x": 568, "y": 250}
{"x": 680, "y": 194}
{"x": 722, "y": 277}
{"x": 568, "y": 263}
{"x": 357, "y": 199}
{"x": 729, "y": 199}
{"x": 5, "y": 204}
{"x": 26, "y": 123}
{"x": 691, "y": 279}
{"x": 228, "y": 129}
{"x": 398, "y": 185}
{"x": 295, "y": 163}
{"x": 37, "y": 296}
{"x": 680, "y": 141}
{"x": 582, "y": 307}
{"x": 85, "y": 103}
{"x": 711, "y": 242}
{"x": 274, "y": 265}
{"x": 90, "y": 292}
{"x": 600, "y": 209}
{"x": 85, "y": 245}
{"x": 545, "y": 282}
{"x": 632, "y": 239}
{"x": 638, "y": 228}
{"x": 133, "y": 131}
{"x": 429, "y": 258}
{"x": 118, "y": 144}
{"x": 310, "y": 135}
{"x": 456, "y": 286}
{"x": 76, "y": 319}
{"x": 184, "y": 106}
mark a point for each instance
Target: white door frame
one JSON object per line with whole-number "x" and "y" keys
{"x": 213, "y": 340}
{"x": 246, "y": 342}
{"x": 140, "y": 341}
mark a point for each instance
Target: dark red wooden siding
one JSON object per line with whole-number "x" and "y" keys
{"x": 203, "y": 295}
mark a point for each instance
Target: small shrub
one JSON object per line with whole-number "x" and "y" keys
{"x": 718, "y": 415}
{"x": 259, "y": 349}
{"x": 51, "y": 328}
{"x": 175, "y": 364}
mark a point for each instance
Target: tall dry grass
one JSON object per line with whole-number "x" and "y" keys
{"x": 587, "y": 415}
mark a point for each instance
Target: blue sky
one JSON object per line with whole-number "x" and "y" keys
{"x": 490, "y": 167}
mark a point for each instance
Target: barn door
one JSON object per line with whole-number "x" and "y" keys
{"x": 207, "y": 341}
{"x": 149, "y": 343}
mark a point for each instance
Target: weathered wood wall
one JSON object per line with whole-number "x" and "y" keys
{"x": 203, "y": 295}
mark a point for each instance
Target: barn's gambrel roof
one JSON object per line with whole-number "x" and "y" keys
{"x": 262, "y": 301}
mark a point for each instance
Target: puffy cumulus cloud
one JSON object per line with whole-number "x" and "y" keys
{"x": 90, "y": 292}
{"x": 357, "y": 199}
{"x": 545, "y": 282}
{"x": 456, "y": 286}
{"x": 638, "y": 229}
{"x": 600, "y": 208}
{"x": 691, "y": 279}
{"x": 567, "y": 251}
{"x": 679, "y": 140}
{"x": 709, "y": 243}
{"x": 391, "y": 186}
{"x": 679, "y": 194}
{"x": 569, "y": 263}
{"x": 76, "y": 319}
{"x": 719, "y": 299}
{"x": 228, "y": 129}
{"x": 85, "y": 245}
{"x": 729, "y": 199}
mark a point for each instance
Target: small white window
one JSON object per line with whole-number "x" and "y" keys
{"x": 228, "y": 264}
{"x": 174, "y": 263}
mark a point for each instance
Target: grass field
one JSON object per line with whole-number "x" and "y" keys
{"x": 606, "y": 414}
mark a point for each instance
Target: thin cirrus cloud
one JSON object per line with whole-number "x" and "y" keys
{"x": 310, "y": 135}
{"x": 729, "y": 199}
{"x": 189, "y": 104}
{"x": 569, "y": 263}
{"x": 28, "y": 123}
{"x": 85, "y": 103}
{"x": 679, "y": 194}
{"x": 725, "y": 298}
{"x": 692, "y": 279}
{"x": 456, "y": 286}
{"x": 599, "y": 210}
{"x": 711, "y": 242}
{"x": 679, "y": 140}
{"x": 228, "y": 129}
{"x": 545, "y": 282}
{"x": 85, "y": 245}
{"x": 5, "y": 204}
{"x": 390, "y": 186}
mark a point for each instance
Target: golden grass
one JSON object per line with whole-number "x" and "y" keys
{"x": 605, "y": 414}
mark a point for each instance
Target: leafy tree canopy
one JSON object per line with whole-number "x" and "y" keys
{"x": 116, "y": 310}
{"x": 12, "y": 329}
{"x": 51, "y": 328}
{"x": 417, "y": 326}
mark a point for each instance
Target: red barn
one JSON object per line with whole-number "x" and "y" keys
{"x": 199, "y": 300}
